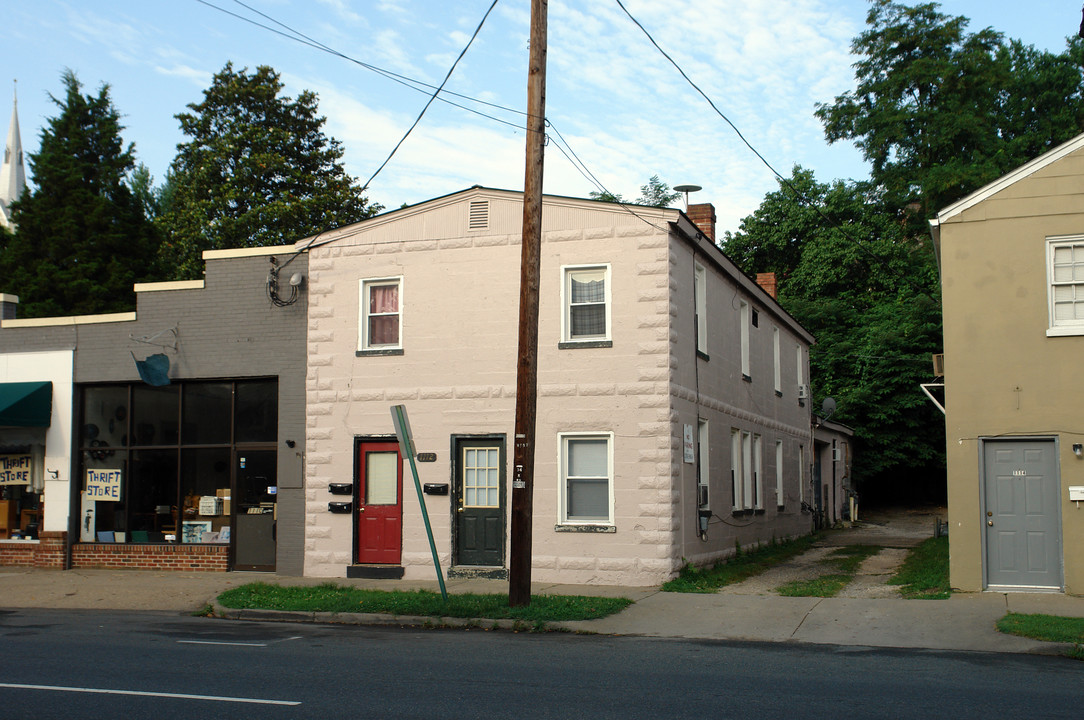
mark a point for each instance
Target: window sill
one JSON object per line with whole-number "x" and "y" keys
{"x": 379, "y": 352}
{"x": 702, "y": 355}
{"x": 1065, "y": 331}
{"x": 741, "y": 513}
{"x": 779, "y": 393}
{"x": 746, "y": 378}
{"x": 577, "y": 344}
{"x": 585, "y": 528}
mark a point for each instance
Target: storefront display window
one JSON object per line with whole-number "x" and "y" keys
{"x": 157, "y": 463}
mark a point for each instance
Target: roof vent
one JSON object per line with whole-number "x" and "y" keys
{"x": 479, "y": 215}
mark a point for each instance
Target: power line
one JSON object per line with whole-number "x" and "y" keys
{"x": 434, "y": 97}
{"x": 798, "y": 194}
{"x": 290, "y": 33}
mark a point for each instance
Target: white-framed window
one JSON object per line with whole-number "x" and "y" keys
{"x": 803, "y": 389}
{"x": 585, "y": 303}
{"x": 702, "y": 447}
{"x": 1065, "y": 273}
{"x": 776, "y": 356}
{"x": 747, "y": 469}
{"x": 745, "y": 319}
{"x": 801, "y": 473}
{"x": 700, "y": 301}
{"x": 745, "y": 466}
{"x": 586, "y": 482}
{"x": 779, "y": 473}
{"x": 481, "y": 477}
{"x": 735, "y": 468}
{"x": 758, "y": 475}
{"x": 381, "y": 318}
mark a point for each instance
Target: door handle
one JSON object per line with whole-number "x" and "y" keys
{"x": 459, "y": 509}
{"x": 361, "y": 509}
{"x": 990, "y": 523}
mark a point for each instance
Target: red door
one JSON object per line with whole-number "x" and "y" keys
{"x": 380, "y": 503}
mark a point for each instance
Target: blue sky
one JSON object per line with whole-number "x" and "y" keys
{"x": 617, "y": 103}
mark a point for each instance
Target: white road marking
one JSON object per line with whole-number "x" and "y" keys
{"x": 236, "y": 644}
{"x": 141, "y": 693}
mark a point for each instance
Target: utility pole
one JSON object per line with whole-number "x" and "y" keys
{"x": 519, "y": 553}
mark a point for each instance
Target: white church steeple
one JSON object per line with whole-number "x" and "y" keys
{"x": 12, "y": 173}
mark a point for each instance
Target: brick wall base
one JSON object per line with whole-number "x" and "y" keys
{"x": 48, "y": 552}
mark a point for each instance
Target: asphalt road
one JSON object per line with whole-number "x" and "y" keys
{"x": 97, "y": 664}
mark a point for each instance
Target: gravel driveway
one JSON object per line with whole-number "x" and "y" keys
{"x": 895, "y": 531}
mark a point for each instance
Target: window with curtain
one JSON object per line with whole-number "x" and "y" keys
{"x": 381, "y": 315}
{"x": 586, "y": 303}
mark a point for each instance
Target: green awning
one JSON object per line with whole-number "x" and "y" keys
{"x": 25, "y": 404}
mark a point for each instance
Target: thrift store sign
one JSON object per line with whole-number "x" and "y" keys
{"x": 14, "y": 469}
{"x": 103, "y": 485}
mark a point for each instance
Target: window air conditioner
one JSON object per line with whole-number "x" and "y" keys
{"x": 939, "y": 364}
{"x": 803, "y": 392}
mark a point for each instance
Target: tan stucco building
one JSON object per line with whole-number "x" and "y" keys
{"x": 672, "y": 420}
{"x": 1012, "y": 266}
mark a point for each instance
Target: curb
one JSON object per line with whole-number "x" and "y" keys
{"x": 372, "y": 619}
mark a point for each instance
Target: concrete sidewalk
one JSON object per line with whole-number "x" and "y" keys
{"x": 964, "y": 622}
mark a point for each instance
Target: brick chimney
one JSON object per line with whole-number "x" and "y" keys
{"x": 703, "y": 214}
{"x": 767, "y": 283}
{"x": 8, "y": 305}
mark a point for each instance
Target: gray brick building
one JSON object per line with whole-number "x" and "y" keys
{"x": 210, "y": 464}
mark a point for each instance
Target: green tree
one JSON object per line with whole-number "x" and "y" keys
{"x": 82, "y": 238}
{"x": 655, "y": 194}
{"x": 141, "y": 183}
{"x": 939, "y": 111}
{"x": 257, "y": 170}
{"x": 847, "y": 271}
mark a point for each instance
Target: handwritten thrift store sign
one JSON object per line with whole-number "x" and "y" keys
{"x": 103, "y": 484}
{"x": 14, "y": 469}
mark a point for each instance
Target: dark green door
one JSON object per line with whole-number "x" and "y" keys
{"x": 479, "y": 502}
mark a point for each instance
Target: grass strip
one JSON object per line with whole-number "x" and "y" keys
{"x": 1051, "y": 628}
{"x": 848, "y": 559}
{"x": 924, "y": 574}
{"x": 331, "y": 597}
{"x": 823, "y": 586}
{"x": 740, "y": 566}
{"x": 845, "y": 560}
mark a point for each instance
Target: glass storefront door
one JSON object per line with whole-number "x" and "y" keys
{"x": 254, "y": 509}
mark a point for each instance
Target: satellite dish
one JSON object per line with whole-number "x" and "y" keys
{"x": 828, "y": 407}
{"x": 687, "y": 189}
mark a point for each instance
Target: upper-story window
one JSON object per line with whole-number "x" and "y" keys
{"x": 1065, "y": 270}
{"x": 700, "y": 299}
{"x": 745, "y": 316}
{"x": 381, "y": 317}
{"x": 777, "y": 371}
{"x": 586, "y": 304}
{"x": 803, "y": 389}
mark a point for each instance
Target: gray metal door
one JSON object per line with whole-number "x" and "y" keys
{"x": 1021, "y": 517}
